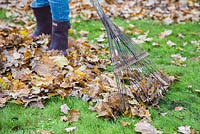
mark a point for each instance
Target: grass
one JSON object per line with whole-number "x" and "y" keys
{"x": 3, "y": 14}
{"x": 30, "y": 120}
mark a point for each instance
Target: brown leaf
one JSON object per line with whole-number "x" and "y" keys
{"x": 37, "y": 104}
{"x": 104, "y": 110}
{"x": 74, "y": 115}
{"x": 3, "y": 100}
{"x": 45, "y": 132}
{"x": 146, "y": 128}
{"x": 125, "y": 123}
{"x": 60, "y": 60}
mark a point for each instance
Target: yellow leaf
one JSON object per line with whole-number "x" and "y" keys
{"x": 71, "y": 31}
{"x": 3, "y": 84}
{"x": 24, "y": 32}
{"x": 81, "y": 74}
{"x": 19, "y": 102}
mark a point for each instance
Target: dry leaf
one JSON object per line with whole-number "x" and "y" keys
{"x": 165, "y": 34}
{"x": 170, "y": 43}
{"x": 3, "y": 101}
{"x": 64, "y": 108}
{"x": 146, "y": 128}
{"x": 37, "y": 104}
{"x": 61, "y": 61}
{"x": 178, "y": 108}
{"x": 190, "y": 86}
{"x": 74, "y": 115}
{"x": 70, "y": 129}
{"x": 125, "y": 123}
{"x": 178, "y": 60}
{"x": 63, "y": 118}
{"x": 45, "y": 132}
{"x": 168, "y": 21}
{"x": 184, "y": 129}
{"x": 155, "y": 44}
{"x": 84, "y": 33}
{"x": 101, "y": 38}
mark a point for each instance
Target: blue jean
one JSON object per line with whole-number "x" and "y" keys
{"x": 59, "y": 8}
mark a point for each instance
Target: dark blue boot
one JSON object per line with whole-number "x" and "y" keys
{"x": 44, "y": 21}
{"x": 59, "y": 36}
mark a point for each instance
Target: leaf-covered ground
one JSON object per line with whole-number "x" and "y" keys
{"x": 174, "y": 48}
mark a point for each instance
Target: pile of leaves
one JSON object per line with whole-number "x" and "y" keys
{"x": 30, "y": 74}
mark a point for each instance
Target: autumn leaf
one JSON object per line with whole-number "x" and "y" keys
{"x": 45, "y": 132}
{"x": 61, "y": 61}
{"x": 74, "y": 115}
{"x": 70, "y": 129}
{"x": 125, "y": 123}
{"x": 165, "y": 34}
{"x": 146, "y": 128}
{"x": 3, "y": 100}
{"x": 178, "y": 60}
{"x": 170, "y": 43}
{"x": 184, "y": 129}
{"x": 64, "y": 108}
{"x": 178, "y": 108}
{"x": 63, "y": 118}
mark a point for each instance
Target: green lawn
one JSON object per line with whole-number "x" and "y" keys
{"x": 31, "y": 120}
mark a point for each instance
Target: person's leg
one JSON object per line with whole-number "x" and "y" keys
{"x": 43, "y": 16}
{"x": 60, "y": 14}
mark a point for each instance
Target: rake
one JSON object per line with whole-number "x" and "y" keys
{"x": 136, "y": 76}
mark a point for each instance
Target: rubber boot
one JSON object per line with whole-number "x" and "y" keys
{"x": 44, "y": 21}
{"x": 59, "y": 36}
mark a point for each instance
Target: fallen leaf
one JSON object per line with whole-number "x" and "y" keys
{"x": 3, "y": 101}
{"x": 190, "y": 86}
{"x": 101, "y": 38}
{"x": 178, "y": 108}
{"x": 63, "y": 118}
{"x": 70, "y": 129}
{"x": 146, "y": 128}
{"x": 168, "y": 20}
{"x": 155, "y": 44}
{"x": 64, "y": 108}
{"x": 170, "y": 43}
{"x": 125, "y": 123}
{"x": 60, "y": 60}
{"x": 45, "y": 132}
{"x": 184, "y": 129}
{"x": 37, "y": 104}
{"x": 84, "y": 33}
{"x": 178, "y": 60}
{"x": 74, "y": 115}
{"x": 164, "y": 114}
{"x": 165, "y": 34}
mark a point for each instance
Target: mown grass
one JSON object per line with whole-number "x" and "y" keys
{"x": 31, "y": 120}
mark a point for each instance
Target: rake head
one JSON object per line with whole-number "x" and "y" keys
{"x": 137, "y": 77}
